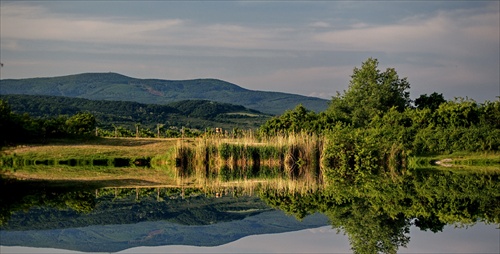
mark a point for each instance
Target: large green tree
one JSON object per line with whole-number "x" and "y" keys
{"x": 371, "y": 92}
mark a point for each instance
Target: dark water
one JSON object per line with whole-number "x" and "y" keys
{"x": 424, "y": 210}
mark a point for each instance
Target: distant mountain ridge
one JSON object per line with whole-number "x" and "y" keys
{"x": 118, "y": 87}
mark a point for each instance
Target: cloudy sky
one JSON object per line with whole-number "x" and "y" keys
{"x": 302, "y": 47}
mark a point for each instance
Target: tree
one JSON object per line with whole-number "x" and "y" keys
{"x": 292, "y": 121}
{"x": 458, "y": 113}
{"x": 371, "y": 92}
{"x": 431, "y": 102}
{"x": 55, "y": 126}
{"x": 81, "y": 123}
{"x": 6, "y": 124}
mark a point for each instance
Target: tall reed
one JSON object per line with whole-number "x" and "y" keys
{"x": 297, "y": 155}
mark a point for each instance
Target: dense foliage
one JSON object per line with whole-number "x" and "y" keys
{"x": 376, "y": 109}
{"x": 21, "y": 128}
{"x": 371, "y": 93}
{"x": 432, "y": 101}
{"x": 297, "y": 120}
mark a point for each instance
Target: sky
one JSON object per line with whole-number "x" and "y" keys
{"x": 301, "y": 47}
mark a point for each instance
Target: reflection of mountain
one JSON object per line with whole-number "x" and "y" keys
{"x": 111, "y": 238}
{"x": 115, "y": 219}
{"x": 126, "y": 209}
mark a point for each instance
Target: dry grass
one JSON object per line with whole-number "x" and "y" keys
{"x": 102, "y": 147}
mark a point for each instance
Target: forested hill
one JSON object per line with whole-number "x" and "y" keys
{"x": 190, "y": 113}
{"x": 113, "y": 86}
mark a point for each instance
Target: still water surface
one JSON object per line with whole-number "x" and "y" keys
{"x": 415, "y": 211}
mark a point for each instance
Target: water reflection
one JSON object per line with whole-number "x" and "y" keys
{"x": 211, "y": 207}
{"x": 114, "y": 219}
{"x": 376, "y": 211}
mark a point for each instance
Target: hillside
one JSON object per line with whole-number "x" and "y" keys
{"x": 197, "y": 114}
{"x": 113, "y": 86}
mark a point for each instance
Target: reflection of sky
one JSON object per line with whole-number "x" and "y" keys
{"x": 479, "y": 238}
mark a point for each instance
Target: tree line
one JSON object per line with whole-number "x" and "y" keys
{"x": 119, "y": 118}
{"x": 18, "y": 128}
{"x": 377, "y": 110}
{"x": 24, "y": 128}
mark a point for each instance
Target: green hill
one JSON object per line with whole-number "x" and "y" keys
{"x": 197, "y": 114}
{"x": 117, "y": 87}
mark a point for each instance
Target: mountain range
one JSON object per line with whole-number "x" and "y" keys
{"x": 117, "y": 87}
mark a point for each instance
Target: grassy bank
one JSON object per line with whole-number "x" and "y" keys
{"x": 215, "y": 157}
{"x": 95, "y": 161}
{"x": 151, "y": 161}
{"x": 117, "y": 152}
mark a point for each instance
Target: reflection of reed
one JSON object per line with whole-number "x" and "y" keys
{"x": 192, "y": 187}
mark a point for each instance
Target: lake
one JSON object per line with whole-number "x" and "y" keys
{"x": 424, "y": 210}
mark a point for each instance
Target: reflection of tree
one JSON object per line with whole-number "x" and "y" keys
{"x": 20, "y": 196}
{"x": 431, "y": 223}
{"x": 115, "y": 206}
{"x": 377, "y": 210}
{"x": 369, "y": 230}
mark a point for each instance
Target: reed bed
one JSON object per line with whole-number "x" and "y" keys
{"x": 291, "y": 157}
